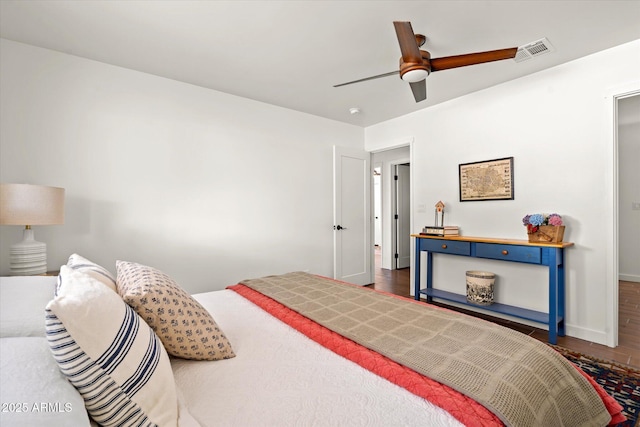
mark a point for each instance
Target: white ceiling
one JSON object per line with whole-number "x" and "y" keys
{"x": 291, "y": 53}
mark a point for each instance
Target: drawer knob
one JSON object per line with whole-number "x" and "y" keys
{"x": 444, "y": 246}
{"x": 505, "y": 252}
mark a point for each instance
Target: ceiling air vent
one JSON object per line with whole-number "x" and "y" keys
{"x": 533, "y": 49}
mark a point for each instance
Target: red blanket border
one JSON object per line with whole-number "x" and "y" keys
{"x": 463, "y": 408}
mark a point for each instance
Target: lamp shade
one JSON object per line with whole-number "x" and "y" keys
{"x": 25, "y": 204}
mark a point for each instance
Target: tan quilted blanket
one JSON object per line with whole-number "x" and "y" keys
{"x": 523, "y": 381}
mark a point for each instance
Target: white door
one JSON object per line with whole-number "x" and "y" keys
{"x": 403, "y": 198}
{"x": 352, "y": 249}
{"x": 377, "y": 206}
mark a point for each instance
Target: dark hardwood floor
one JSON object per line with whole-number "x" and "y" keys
{"x": 627, "y": 352}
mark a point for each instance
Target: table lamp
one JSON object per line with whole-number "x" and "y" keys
{"x": 25, "y": 204}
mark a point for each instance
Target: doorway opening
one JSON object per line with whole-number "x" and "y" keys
{"x": 627, "y": 144}
{"x": 391, "y": 210}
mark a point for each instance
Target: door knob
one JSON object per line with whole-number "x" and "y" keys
{"x": 339, "y": 227}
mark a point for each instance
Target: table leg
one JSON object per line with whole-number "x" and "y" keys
{"x": 416, "y": 272}
{"x": 561, "y": 292}
{"x": 429, "y": 274}
{"x": 553, "y": 296}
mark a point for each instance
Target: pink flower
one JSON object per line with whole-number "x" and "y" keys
{"x": 555, "y": 219}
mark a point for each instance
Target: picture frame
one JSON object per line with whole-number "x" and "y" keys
{"x": 486, "y": 180}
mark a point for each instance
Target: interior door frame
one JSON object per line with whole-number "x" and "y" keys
{"x": 612, "y": 259}
{"x": 405, "y": 142}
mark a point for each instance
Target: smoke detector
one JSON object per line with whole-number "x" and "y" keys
{"x": 534, "y": 49}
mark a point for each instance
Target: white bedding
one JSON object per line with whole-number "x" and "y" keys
{"x": 32, "y": 389}
{"x": 23, "y": 301}
{"x": 280, "y": 377}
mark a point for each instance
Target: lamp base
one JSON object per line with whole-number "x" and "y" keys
{"x": 29, "y": 257}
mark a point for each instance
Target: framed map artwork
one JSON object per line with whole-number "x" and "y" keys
{"x": 486, "y": 180}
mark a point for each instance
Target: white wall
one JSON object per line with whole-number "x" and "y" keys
{"x": 208, "y": 187}
{"x": 554, "y": 123}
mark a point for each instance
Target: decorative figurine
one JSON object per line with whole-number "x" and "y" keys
{"x": 439, "y": 229}
{"x": 440, "y": 214}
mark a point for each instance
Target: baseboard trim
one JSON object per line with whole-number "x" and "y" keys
{"x": 591, "y": 335}
{"x": 629, "y": 277}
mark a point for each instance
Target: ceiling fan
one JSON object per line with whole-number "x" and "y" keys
{"x": 416, "y": 64}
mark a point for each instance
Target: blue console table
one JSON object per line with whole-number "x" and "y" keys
{"x": 547, "y": 254}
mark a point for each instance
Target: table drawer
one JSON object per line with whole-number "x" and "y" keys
{"x": 509, "y": 252}
{"x": 446, "y": 246}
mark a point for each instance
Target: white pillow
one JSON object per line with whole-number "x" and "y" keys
{"x": 34, "y": 392}
{"x": 94, "y": 270}
{"x": 110, "y": 354}
{"x": 22, "y": 303}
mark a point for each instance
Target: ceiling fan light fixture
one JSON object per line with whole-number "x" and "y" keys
{"x": 414, "y": 76}
{"x": 415, "y": 64}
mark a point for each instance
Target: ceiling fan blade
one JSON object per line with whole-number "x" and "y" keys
{"x": 419, "y": 90}
{"x": 408, "y": 45}
{"x": 449, "y": 62}
{"x": 391, "y": 73}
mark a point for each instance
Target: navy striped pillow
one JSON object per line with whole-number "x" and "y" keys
{"x": 110, "y": 355}
{"x": 94, "y": 270}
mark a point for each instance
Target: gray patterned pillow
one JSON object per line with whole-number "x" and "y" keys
{"x": 186, "y": 329}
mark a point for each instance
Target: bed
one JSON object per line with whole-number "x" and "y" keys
{"x": 272, "y": 367}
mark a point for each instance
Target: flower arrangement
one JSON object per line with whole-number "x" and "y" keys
{"x": 534, "y": 221}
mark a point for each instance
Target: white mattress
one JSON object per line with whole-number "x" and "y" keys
{"x": 279, "y": 377}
